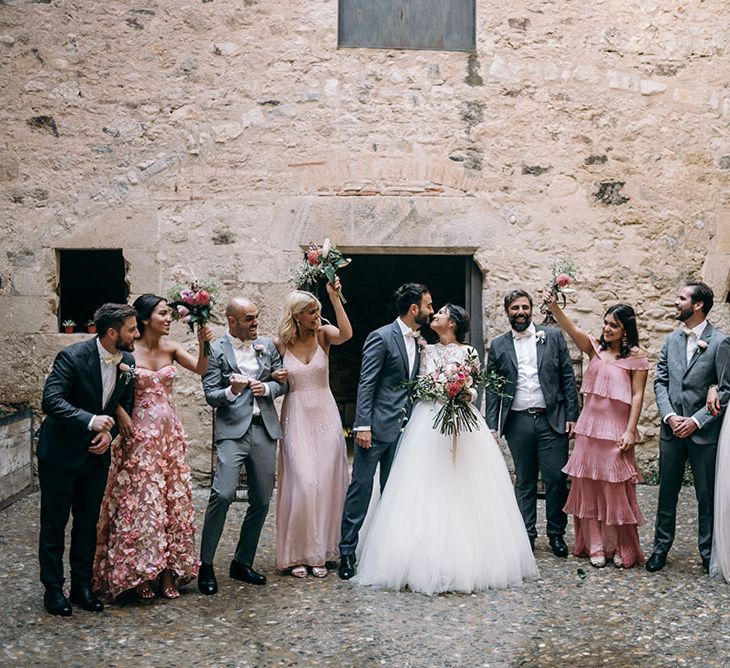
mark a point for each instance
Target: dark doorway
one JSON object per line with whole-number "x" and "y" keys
{"x": 88, "y": 279}
{"x": 369, "y": 283}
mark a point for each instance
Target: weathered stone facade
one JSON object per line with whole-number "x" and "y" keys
{"x": 219, "y": 137}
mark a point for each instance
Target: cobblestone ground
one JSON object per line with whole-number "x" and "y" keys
{"x": 608, "y": 617}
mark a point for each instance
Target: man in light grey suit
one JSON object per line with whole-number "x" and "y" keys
{"x": 240, "y": 387}
{"x": 688, "y": 365}
{"x": 537, "y": 413}
{"x": 389, "y": 357}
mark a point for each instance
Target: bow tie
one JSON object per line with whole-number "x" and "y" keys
{"x": 688, "y": 332}
{"x": 241, "y": 345}
{"x": 411, "y": 333}
{"x": 114, "y": 359}
{"x": 521, "y": 335}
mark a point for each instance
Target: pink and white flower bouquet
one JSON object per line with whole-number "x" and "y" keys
{"x": 564, "y": 272}
{"x": 320, "y": 261}
{"x": 192, "y": 304}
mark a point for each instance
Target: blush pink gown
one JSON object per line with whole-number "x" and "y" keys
{"x": 602, "y": 495}
{"x": 146, "y": 522}
{"x": 312, "y": 467}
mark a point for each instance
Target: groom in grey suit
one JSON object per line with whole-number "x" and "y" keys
{"x": 688, "y": 365}
{"x": 536, "y": 414}
{"x": 389, "y": 357}
{"x": 240, "y": 387}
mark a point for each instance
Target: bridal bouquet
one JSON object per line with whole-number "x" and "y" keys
{"x": 320, "y": 261}
{"x": 192, "y": 303}
{"x": 451, "y": 384}
{"x": 564, "y": 273}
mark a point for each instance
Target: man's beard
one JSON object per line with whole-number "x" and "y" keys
{"x": 126, "y": 347}
{"x": 685, "y": 314}
{"x": 519, "y": 325}
{"x": 422, "y": 318}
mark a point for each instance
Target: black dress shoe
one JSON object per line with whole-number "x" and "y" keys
{"x": 207, "y": 584}
{"x": 706, "y": 564}
{"x": 56, "y": 603}
{"x": 347, "y": 566}
{"x": 656, "y": 562}
{"x": 558, "y": 546}
{"x": 532, "y": 543}
{"x": 246, "y": 573}
{"x": 84, "y": 597}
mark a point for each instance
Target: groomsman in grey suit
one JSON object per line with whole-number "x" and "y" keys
{"x": 389, "y": 357}
{"x": 537, "y": 413}
{"x": 688, "y": 365}
{"x": 239, "y": 385}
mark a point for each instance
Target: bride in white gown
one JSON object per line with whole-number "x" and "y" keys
{"x": 717, "y": 398}
{"x": 445, "y": 522}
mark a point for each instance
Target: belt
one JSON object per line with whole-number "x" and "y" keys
{"x": 257, "y": 419}
{"x": 532, "y": 411}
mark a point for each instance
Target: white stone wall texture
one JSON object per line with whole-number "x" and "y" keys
{"x": 219, "y": 136}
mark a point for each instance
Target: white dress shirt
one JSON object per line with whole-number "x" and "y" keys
{"x": 409, "y": 337}
{"x": 693, "y": 336}
{"x": 108, "y": 375}
{"x": 528, "y": 393}
{"x": 248, "y": 365}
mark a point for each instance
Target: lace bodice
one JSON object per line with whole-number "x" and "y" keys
{"x": 438, "y": 354}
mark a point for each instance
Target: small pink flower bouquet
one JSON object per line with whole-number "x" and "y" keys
{"x": 192, "y": 304}
{"x": 564, "y": 273}
{"x": 320, "y": 261}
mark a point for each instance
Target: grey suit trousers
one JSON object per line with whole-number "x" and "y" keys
{"x": 673, "y": 455}
{"x": 257, "y": 452}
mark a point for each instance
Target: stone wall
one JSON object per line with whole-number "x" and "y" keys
{"x": 220, "y": 136}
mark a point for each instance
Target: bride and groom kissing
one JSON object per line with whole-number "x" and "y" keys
{"x": 446, "y": 521}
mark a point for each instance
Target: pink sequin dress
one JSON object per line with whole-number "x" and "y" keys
{"x": 602, "y": 495}
{"x": 312, "y": 467}
{"x": 146, "y": 522}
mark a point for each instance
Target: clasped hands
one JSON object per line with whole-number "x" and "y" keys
{"x": 682, "y": 427}
{"x": 102, "y": 424}
{"x": 239, "y": 382}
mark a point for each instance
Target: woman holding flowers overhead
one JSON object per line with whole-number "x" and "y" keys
{"x": 448, "y": 519}
{"x": 602, "y": 466}
{"x": 312, "y": 467}
{"x": 146, "y": 527}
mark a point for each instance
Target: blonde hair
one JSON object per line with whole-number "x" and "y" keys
{"x": 294, "y": 303}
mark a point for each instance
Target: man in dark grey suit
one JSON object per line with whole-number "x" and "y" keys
{"x": 688, "y": 365}
{"x": 390, "y": 356}
{"x": 239, "y": 385}
{"x": 537, "y": 413}
{"x": 79, "y": 399}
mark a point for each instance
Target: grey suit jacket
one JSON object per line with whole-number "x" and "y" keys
{"x": 233, "y": 418}
{"x": 554, "y": 370}
{"x": 681, "y": 388}
{"x": 380, "y": 404}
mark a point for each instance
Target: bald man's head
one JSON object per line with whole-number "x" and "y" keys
{"x": 243, "y": 318}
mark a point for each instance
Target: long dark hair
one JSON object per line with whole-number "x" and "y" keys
{"x": 461, "y": 319}
{"x": 144, "y": 305}
{"x": 627, "y": 317}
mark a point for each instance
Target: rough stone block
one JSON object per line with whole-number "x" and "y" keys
{"x": 649, "y": 87}
{"x": 623, "y": 80}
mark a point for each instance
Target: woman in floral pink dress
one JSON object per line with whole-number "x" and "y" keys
{"x": 312, "y": 467}
{"x": 602, "y": 466}
{"x": 146, "y": 529}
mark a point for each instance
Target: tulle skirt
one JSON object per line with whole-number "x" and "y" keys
{"x": 447, "y": 521}
{"x": 720, "y": 559}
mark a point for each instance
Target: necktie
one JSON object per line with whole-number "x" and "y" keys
{"x": 688, "y": 332}
{"x": 114, "y": 359}
{"x": 522, "y": 335}
{"x": 410, "y": 333}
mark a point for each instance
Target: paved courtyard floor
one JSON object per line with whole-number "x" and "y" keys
{"x": 573, "y": 616}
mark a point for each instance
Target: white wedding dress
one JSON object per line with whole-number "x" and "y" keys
{"x": 445, "y": 522}
{"x": 720, "y": 559}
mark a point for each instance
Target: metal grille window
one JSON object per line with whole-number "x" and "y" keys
{"x": 438, "y": 25}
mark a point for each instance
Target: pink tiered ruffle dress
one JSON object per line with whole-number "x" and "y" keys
{"x": 602, "y": 495}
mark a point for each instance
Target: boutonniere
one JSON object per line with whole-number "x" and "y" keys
{"x": 540, "y": 336}
{"x": 259, "y": 349}
{"x": 421, "y": 343}
{"x": 701, "y": 346}
{"x": 127, "y": 373}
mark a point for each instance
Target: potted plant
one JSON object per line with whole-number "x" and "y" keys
{"x": 90, "y": 327}
{"x": 68, "y": 326}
